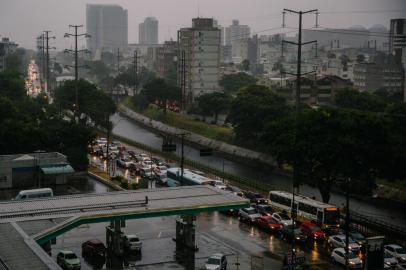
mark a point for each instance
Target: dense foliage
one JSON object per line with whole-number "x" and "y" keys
{"x": 31, "y": 124}
{"x": 231, "y": 83}
{"x": 214, "y": 104}
{"x": 362, "y": 139}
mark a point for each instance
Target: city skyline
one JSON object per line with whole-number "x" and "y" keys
{"x": 172, "y": 18}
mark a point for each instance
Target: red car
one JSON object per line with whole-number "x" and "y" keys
{"x": 312, "y": 231}
{"x": 269, "y": 224}
{"x": 94, "y": 250}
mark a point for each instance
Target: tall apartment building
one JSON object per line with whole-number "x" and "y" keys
{"x": 201, "y": 44}
{"x": 235, "y": 32}
{"x": 108, "y": 27}
{"x": 6, "y": 47}
{"x": 397, "y": 46}
{"x": 167, "y": 59}
{"x": 148, "y": 31}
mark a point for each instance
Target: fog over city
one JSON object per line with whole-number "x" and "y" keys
{"x": 22, "y": 20}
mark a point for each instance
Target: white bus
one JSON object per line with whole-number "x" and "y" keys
{"x": 190, "y": 178}
{"x": 307, "y": 209}
{"x": 34, "y": 194}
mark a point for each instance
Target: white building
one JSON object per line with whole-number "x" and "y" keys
{"x": 201, "y": 44}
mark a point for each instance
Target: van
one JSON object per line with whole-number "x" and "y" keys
{"x": 34, "y": 194}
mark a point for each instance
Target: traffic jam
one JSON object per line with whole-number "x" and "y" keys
{"x": 318, "y": 226}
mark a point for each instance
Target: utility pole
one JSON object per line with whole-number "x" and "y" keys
{"x": 347, "y": 222}
{"x": 298, "y": 75}
{"x": 76, "y": 66}
{"x": 47, "y": 37}
{"x": 135, "y": 67}
{"x": 118, "y": 61}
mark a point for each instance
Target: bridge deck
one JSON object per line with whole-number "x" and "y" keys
{"x": 44, "y": 219}
{"x": 167, "y": 201}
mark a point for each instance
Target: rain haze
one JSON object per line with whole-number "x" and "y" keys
{"x": 23, "y": 20}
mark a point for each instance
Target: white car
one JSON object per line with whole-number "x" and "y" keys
{"x": 390, "y": 260}
{"x": 219, "y": 184}
{"x": 216, "y": 262}
{"x": 132, "y": 242}
{"x": 397, "y": 251}
{"x": 249, "y": 214}
{"x": 338, "y": 256}
{"x": 148, "y": 163}
{"x": 283, "y": 219}
{"x": 338, "y": 241}
{"x": 160, "y": 170}
{"x": 68, "y": 260}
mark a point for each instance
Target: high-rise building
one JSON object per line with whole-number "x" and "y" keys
{"x": 108, "y": 27}
{"x": 167, "y": 59}
{"x": 6, "y": 47}
{"x": 235, "y": 32}
{"x": 397, "y": 46}
{"x": 201, "y": 44}
{"x": 148, "y": 31}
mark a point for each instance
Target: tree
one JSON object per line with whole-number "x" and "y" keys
{"x": 158, "y": 90}
{"x": 350, "y": 98}
{"x": 214, "y": 104}
{"x": 231, "y": 83}
{"x": 389, "y": 96}
{"x": 12, "y": 85}
{"x": 333, "y": 145}
{"x": 93, "y": 103}
{"x": 245, "y": 65}
{"x": 252, "y": 109}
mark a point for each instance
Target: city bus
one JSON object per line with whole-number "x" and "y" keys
{"x": 307, "y": 209}
{"x": 190, "y": 178}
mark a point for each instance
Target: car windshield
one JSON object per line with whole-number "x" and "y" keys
{"x": 70, "y": 256}
{"x": 284, "y": 216}
{"x": 387, "y": 255}
{"x": 214, "y": 261}
{"x": 400, "y": 250}
{"x": 256, "y": 195}
{"x": 297, "y": 231}
{"x": 134, "y": 240}
{"x": 315, "y": 228}
{"x": 357, "y": 235}
{"x": 250, "y": 211}
{"x": 267, "y": 208}
{"x": 271, "y": 221}
{"x": 352, "y": 255}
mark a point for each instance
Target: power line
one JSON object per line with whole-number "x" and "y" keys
{"x": 75, "y": 52}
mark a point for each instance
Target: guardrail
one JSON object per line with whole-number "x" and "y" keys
{"x": 389, "y": 230}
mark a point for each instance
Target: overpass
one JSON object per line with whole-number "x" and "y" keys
{"x": 44, "y": 219}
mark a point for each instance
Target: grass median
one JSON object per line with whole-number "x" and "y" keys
{"x": 185, "y": 122}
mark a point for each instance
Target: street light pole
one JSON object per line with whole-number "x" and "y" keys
{"x": 347, "y": 222}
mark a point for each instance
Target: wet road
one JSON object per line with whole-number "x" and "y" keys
{"x": 131, "y": 130}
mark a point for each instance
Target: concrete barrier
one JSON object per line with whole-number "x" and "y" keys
{"x": 228, "y": 149}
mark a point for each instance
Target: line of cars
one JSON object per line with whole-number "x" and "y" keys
{"x": 268, "y": 219}
{"x": 94, "y": 252}
{"x": 137, "y": 163}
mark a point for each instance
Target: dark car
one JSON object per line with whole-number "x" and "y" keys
{"x": 287, "y": 234}
{"x": 255, "y": 197}
{"x": 94, "y": 251}
{"x": 264, "y": 209}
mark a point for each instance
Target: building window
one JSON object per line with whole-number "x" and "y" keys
{"x": 3, "y": 178}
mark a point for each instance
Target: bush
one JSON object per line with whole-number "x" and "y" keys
{"x": 134, "y": 186}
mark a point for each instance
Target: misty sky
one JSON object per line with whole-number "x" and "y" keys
{"x": 23, "y": 20}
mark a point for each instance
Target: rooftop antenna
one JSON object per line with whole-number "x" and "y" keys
{"x": 198, "y": 10}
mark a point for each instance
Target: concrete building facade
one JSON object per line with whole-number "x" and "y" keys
{"x": 108, "y": 27}
{"x": 201, "y": 44}
{"x": 33, "y": 170}
{"x": 148, "y": 31}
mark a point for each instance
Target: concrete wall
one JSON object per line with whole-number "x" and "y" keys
{"x": 223, "y": 147}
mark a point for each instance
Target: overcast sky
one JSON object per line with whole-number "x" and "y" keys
{"x": 23, "y": 20}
